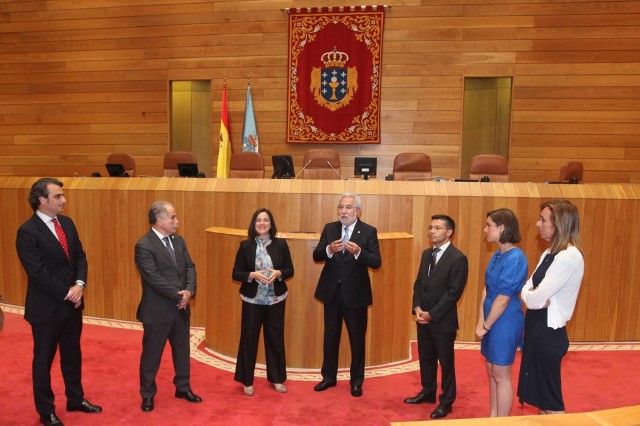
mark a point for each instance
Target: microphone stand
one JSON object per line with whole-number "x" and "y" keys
{"x": 305, "y": 166}
{"x": 332, "y": 168}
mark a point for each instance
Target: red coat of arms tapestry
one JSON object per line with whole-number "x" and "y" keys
{"x": 334, "y": 75}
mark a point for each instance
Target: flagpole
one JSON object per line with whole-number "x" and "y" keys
{"x": 224, "y": 153}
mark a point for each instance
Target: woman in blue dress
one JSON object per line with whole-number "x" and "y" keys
{"x": 501, "y": 320}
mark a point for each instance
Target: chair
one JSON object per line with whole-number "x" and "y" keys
{"x": 572, "y": 171}
{"x": 321, "y": 164}
{"x": 127, "y": 161}
{"x": 172, "y": 158}
{"x": 246, "y": 165}
{"x": 496, "y": 167}
{"x": 411, "y": 166}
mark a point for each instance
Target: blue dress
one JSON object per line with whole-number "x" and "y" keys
{"x": 506, "y": 275}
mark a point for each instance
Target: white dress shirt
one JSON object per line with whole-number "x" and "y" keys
{"x": 560, "y": 286}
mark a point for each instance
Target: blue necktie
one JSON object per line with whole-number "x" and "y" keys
{"x": 345, "y": 238}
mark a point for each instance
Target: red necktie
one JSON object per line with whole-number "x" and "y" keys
{"x": 61, "y": 236}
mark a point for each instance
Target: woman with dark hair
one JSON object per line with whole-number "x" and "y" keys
{"x": 501, "y": 322}
{"x": 550, "y": 296}
{"x": 262, "y": 265}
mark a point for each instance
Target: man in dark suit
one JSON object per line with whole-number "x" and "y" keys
{"x": 168, "y": 284}
{"x": 441, "y": 280}
{"x": 49, "y": 248}
{"x": 348, "y": 248}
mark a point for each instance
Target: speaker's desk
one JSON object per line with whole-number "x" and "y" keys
{"x": 389, "y": 327}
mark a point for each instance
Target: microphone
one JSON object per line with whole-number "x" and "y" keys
{"x": 332, "y": 168}
{"x": 305, "y": 166}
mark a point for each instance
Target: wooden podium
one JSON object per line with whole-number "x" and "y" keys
{"x": 389, "y": 329}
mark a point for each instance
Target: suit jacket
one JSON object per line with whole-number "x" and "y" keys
{"x": 161, "y": 279}
{"x": 246, "y": 263}
{"x": 50, "y": 273}
{"x": 344, "y": 268}
{"x": 439, "y": 293}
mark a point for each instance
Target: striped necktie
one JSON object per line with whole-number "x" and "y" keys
{"x": 432, "y": 263}
{"x": 171, "y": 252}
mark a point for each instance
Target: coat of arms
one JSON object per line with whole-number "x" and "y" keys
{"x": 334, "y": 85}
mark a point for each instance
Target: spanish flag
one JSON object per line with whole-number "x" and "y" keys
{"x": 224, "y": 154}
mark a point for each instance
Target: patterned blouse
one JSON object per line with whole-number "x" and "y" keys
{"x": 265, "y": 295}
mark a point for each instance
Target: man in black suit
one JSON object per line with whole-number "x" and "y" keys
{"x": 349, "y": 247}
{"x": 168, "y": 284}
{"x": 49, "y": 248}
{"x": 441, "y": 280}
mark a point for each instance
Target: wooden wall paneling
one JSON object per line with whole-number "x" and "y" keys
{"x": 626, "y": 227}
{"x": 17, "y": 212}
{"x": 468, "y": 238}
{"x": 632, "y": 324}
{"x": 624, "y": 219}
{"x": 600, "y": 264}
{"x": 67, "y": 65}
{"x": 588, "y": 298}
{"x": 612, "y": 265}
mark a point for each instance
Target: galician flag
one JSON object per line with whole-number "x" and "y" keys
{"x": 224, "y": 154}
{"x": 249, "y": 132}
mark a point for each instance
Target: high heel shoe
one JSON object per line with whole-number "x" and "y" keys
{"x": 280, "y": 387}
{"x": 248, "y": 390}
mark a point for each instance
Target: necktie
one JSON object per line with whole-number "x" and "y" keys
{"x": 345, "y": 237}
{"x": 62, "y": 237}
{"x": 432, "y": 264}
{"x": 171, "y": 252}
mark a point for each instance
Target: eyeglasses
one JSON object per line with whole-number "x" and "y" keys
{"x": 437, "y": 228}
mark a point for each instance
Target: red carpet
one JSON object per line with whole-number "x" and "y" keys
{"x": 593, "y": 380}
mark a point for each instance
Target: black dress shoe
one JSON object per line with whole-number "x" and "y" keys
{"x": 147, "y": 404}
{"x": 356, "y": 390}
{"x": 51, "y": 420}
{"x": 85, "y": 407}
{"x": 441, "y": 411}
{"x": 189, "y": 396}
{"x": 420, "y": 399}
{"x": 323, "y": 385}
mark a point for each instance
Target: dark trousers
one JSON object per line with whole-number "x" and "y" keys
{"x": 255, "y": 317}
{"x": 154, "y": 340}
{"x": 434, "y": 347}
{"x": 355, "y": 319}
{"x": 47, "y": 337}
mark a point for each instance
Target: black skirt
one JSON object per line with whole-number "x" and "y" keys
{"x": 540, "y": 382}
